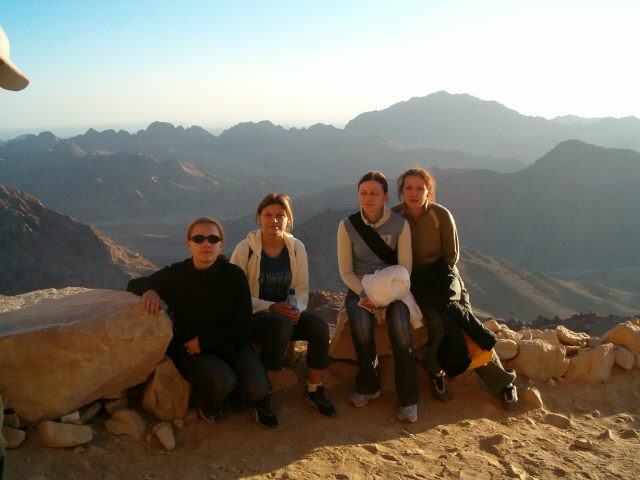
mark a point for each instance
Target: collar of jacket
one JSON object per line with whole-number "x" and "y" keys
{"x": 386, "y": 213}
{"x": 255, "y": 242}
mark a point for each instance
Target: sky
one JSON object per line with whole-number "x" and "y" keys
{"x": 124, "y": 64}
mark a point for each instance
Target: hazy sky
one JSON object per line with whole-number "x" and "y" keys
{"x": 296, "y": 63}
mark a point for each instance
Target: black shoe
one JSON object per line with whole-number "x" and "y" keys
{"x": 510, "y": 400}
{"x": 212, "y": 416}
{"x": 439, "y": 388}
{"x": 320, "y": 401}
{"x": 264, "y": 414}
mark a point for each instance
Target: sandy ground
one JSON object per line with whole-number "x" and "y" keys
{"x": 469, "y": 437}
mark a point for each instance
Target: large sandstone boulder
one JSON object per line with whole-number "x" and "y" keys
{"x": 62, "y": 349}
{"x": 539, "y": 360}
{"x": 506, "y": 349}
{"x": 592, "y": 365}
{"x": 626, "y": 334}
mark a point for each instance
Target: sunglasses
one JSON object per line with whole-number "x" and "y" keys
{"x": 213, "y": 239}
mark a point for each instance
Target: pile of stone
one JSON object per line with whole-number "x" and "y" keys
{"x": 552, "y": 354}
{"x": 67, "y": 354}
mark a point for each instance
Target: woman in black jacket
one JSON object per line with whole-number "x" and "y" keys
{"x": 209, "y": 302}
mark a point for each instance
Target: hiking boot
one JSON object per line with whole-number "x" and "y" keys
{"x": 361, "y": 399}
{"x": 439, "y": 388}
{"x": 319, "y": 400}
{"x": 264, "y": 414}
{"x": 211, "y": 416}
{"x": 510, "y": 400}
{"x": 409, "y": 413}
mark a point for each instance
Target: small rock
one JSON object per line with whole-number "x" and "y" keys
{"x": 629, "y": 433}
{"x": 164, "y": 433}
{"x": 596, "y": 414}
{"x": 73, "y": 417}
{"x": 569, "y": 337}
{"x": 571, "y": 350}
{"x": 54, "y": 434}
{"x": 492, "y": 325}
{"x": 89, "y": 411}
{"x": 623, "y": 357}
{"x": 626, "y": 334}
{"x": 557, "y": 420}
{"x": 583, "y": 443}
{"x": 126, "y": 422}
{"x": 464, "y": 423}
{"x": 606, "y": 435}
{"x": 13, "y": 436}
{"x": 178, "y": 423}
{"x": 11, "y": 419}
{"x": 531, "y": 396}
{"x": 112, "y": 406}
{"x": 78, "y": 450}
{"x": 371, "y": 448}
{"x": 414, "y": 451}
{"x": 506, "y": 348}
{"x": 551, "y": 382}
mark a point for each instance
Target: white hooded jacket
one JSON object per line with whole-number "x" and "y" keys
{"x": 247, "y": 256}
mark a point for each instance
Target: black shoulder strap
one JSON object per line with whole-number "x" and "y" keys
{"x": 373, "y": 240}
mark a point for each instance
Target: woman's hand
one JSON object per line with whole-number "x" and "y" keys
{"x": 366, "y": 302}
{"x": 152, "y": 302}
{"x": 285, "y": 310}
{"x": 193, "y": 346}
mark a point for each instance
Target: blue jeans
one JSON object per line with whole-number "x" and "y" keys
{"x": 362, "y": 325}
{"x": 214, "y": 378}
{"x": 273, "y": 333}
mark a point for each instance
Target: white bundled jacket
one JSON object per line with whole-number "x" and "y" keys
{"x": 250, "y": 264}
{"x": 391, "y": 284}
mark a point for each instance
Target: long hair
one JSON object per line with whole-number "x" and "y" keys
{"x": 429, "y": 182}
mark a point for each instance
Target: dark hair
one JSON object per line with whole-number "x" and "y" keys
{"x": 429, "y": 181}
{"x": 206, "y": 220}
{"x": 376, "y": 176}
{"x": 281, "y": 199}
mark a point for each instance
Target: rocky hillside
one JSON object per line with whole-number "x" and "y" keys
{"x": 42, "y": 248}
{"x": 463, "y": 122}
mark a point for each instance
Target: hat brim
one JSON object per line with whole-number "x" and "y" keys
{"x": 11, "y": 78}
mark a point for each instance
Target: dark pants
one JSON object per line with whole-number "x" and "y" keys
{"x": 362, "y": 325}
{"x": 492, "y": 374}
{"x": 273, "y": 333}
{"x": 214, "y": 378}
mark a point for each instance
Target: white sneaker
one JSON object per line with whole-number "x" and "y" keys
{"x": 361, "y": 399}
{"x": 409, "y": 413}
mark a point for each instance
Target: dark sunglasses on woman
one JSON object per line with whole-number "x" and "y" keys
{"x": 213, "y": 239}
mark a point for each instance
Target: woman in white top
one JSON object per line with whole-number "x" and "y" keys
{"x": 275, "y": 264}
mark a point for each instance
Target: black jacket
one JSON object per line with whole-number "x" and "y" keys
{"x": 213, "y": 304}
{"x": 438, "y": 286}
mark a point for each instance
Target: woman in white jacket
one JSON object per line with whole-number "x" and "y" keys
{"x": 275, "y": 264}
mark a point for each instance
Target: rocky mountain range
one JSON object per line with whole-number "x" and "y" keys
{"x": 462, "y": 122}
{"x": 42, "y": 248}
